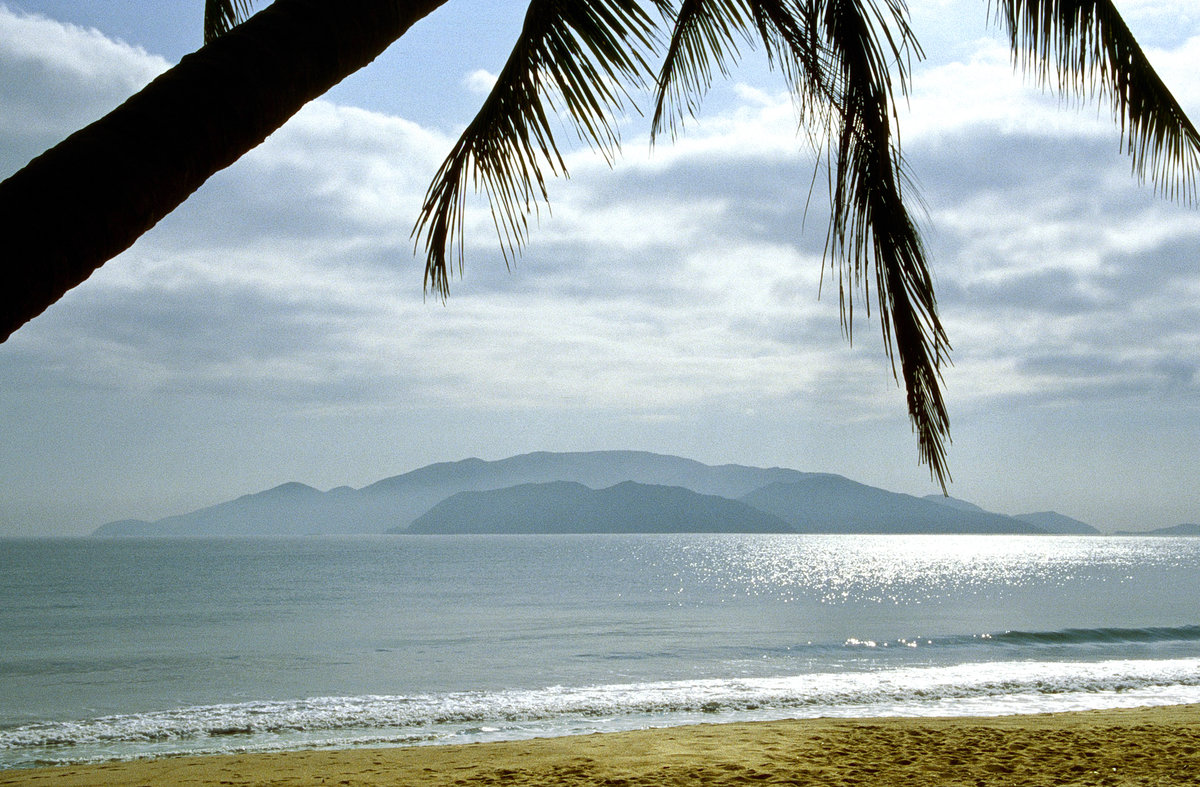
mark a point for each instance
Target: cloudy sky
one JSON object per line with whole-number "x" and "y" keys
{"x": 274, "y": 328}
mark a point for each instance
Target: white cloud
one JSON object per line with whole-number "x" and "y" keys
{"x": 1178, "y": 68}
{"x": 57, "y": 78}
{"x": 656, "y": 305}
{"x": 985, "y": 90}
{"x": 480, "y": 82}
{"x": 74, "y": 53}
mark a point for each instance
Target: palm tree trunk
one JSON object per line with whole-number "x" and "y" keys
{"x": 90, "y": 197}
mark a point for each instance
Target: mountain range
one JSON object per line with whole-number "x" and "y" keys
{"x": 599, "y": 491}
{"x": 570, "y": 507}
{"x": 1186, "y": 529}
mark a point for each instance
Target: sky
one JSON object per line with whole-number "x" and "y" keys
{"x": 274, "y": 328}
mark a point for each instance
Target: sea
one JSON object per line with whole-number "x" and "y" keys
{"x": 123, "y": 649}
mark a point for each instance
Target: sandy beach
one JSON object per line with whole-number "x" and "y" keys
{"x": 1156, "y": 746}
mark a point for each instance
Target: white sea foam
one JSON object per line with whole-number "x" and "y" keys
{"x": 120, "y": 650}
{"x": 963, "y": 689}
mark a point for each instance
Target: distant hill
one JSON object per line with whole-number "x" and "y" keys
{"x": 396, "y": 501}
{"x": 1049, "y": 521}
{"x": 594, "y": 469}
{"x": 126, "y": 528}
{"x": 569, "y": 507}
{"x": 1186, "y": 529}
{"x": 288, "y": 509}
{"x": 1058, "y": 524}
{"x": 823, "y": 503}
{"x": 809, "y": 502}
{"x": 955, "y": 503}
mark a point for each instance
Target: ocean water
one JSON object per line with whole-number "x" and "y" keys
{"x": 121, "y": 649}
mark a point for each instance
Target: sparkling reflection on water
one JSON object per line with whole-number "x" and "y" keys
{"x": 914, "y": 569}
{"x": 152, "y": 624}
{"x": 177, "y": 645}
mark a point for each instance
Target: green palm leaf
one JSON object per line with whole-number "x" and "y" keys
{"x": 572, "y": 55}
{"x": 704, "y": 34}
{"x": 791, "y": 34}
{"x": 1084, "y": 47}
{"x": 839, "y": 57}
{"x": 221, "y": 16}
{"x": 871, "y": 225}
{"x": 844, "y": 62}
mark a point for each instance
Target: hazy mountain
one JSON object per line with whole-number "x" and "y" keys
{"x": 1049, "y": 521}
{"x": 824, "y": 503}
{"x": 395, "y": 502}
{"x": 594, "y": 469}
{"x": 288, "y": 509}
{"x": 1054, "y": 522}
{"x": 955, "y": 503}
{"x": 810, "y": 502}
{"x": 1186, "y": 529}
{"x": 128, "y": 527}
{"x": 569, "y": 507}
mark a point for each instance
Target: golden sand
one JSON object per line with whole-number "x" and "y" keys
{"x": 1155, "y": 746}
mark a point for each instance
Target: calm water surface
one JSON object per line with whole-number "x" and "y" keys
{"x": 144, "y": 647}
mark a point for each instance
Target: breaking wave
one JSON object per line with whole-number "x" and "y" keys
{"x": 964, "y": 689}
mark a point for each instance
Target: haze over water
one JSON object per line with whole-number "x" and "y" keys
{"x": 127, "y": 648}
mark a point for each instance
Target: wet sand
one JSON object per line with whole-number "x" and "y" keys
{"x": 1157, "y": 746}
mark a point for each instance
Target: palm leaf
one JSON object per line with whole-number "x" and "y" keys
{"x": 704, "y": 34}
{"x": 871, "y": 225}
{"x": 1084, "y": 47}
{"x": 572, "y": 55}
{"x": 221, "y": 16}
{"x": 790, "y": 32}
{"x": 840, "y": 58}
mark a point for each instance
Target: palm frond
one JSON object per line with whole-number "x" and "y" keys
{"x": 871, "y": 224}
{"x": 790, "y": 32}
{"x": 221, "y": 16}
{"x": 838, "y": 56}
{"x": 705, "y": 33}
{"x": 573, "y": 55}
{"x": 843, "y": 61}
{"x": 1084, "y": 47}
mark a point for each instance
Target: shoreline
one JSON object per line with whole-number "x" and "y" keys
{"x": 1143, "y": 746}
